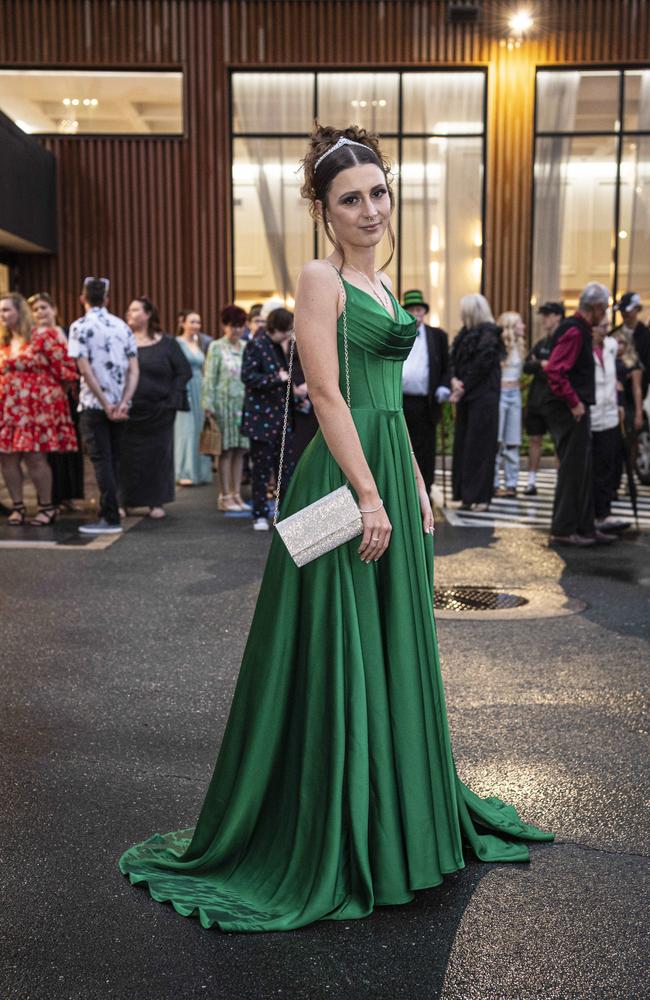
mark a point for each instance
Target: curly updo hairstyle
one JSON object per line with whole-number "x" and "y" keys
{"x": 318, "y": 180}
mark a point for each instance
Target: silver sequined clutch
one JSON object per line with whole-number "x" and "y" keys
{"x": 321, "y": 526}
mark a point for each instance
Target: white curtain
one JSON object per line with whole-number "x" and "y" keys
{"x": 639, "y": 225}
{"x": 556, "y": 110}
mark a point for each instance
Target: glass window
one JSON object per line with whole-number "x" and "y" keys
{"x": 273, "y": 230}
{"x": 443, "y": 103}
{"x": 575, "y": 193}
{"x": 637, "y": 100}
{"x": 441, "y": 223}
{"x": 270, "y": 103}
{"x": 72, "y": 102}
{"x": 634, "y": 219}
{"x": 577, "y": 101}
{"x": 367, "y": 99}
{"x": 437, "y": 186}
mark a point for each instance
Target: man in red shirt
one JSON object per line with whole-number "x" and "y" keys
{"x": 571, "y": 391}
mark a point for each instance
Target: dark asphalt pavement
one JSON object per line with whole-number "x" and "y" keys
{"x": 118, "y": 670}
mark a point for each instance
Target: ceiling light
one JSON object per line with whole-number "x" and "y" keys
{"x": 622, "y": 234}
{"x": 75, "y": 101}
{"x": 86, "y": 102}
{"x": 521, "y": 22}
{"x": 66, "y": 101}
{"x": 94, "y": 102}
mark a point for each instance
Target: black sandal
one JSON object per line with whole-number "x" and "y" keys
{"x": 19, "y": 514}
{"x": 49, "y": 511}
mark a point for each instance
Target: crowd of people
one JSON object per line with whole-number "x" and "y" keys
{"x": 137, "y": 400}
{"x": 586, "y": 390}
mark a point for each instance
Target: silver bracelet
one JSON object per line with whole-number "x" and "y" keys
{"x": 371, "y": 510}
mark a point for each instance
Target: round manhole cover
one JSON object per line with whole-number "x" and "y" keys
{"x": 475, "y": 599}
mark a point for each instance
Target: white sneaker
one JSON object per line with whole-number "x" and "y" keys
{"x": 260, "y": 524}
{"x": 100, "y": 527}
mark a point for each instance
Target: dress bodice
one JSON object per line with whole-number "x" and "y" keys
{"x": 195, "y": 358}
{"x": 378, "y": 346}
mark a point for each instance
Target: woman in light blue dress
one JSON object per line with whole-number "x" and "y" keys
{"x": 192, "y": 469}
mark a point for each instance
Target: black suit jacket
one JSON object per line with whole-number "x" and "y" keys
{"x": 439, "y": 371}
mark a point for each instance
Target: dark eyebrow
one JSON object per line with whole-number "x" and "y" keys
{"x": 373, "y": 188}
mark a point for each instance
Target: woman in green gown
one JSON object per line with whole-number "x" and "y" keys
{"x": 335, "y": 789}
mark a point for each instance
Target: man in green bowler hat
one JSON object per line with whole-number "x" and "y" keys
{"x": 425, "y": 381}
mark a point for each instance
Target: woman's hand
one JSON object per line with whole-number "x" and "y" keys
{"x": 425, "y": 507}
{"x": 376, "y": 535}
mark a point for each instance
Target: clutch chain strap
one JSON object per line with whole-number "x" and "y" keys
{"x": 289, "y": 391}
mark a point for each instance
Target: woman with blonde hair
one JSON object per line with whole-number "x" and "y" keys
{"x": 509, "y": 435}
{"x": 336, "y": 790}
{"x": 34, "y": 414}
{"x": 476, "y": 355}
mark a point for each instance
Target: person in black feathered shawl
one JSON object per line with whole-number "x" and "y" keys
{"x": 476, "y": 356}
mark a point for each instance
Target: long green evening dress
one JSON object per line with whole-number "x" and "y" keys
{"x": 335, "y": 789}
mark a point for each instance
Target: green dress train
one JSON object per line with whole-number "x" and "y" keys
{"x": 335, "y": 789}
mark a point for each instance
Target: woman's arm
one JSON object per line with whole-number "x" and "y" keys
{"x": 316, "y": 312}
{"x": 55, "y": 349}
{"x": 181, "y": 374}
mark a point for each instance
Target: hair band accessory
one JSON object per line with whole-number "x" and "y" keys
{"x": 371, "y": 510}
{"x": 342, "y": 141}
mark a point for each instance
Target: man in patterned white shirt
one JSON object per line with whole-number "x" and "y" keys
{"x": 107, "y": 357}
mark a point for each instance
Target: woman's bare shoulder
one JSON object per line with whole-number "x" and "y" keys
{"x": 385, "y": 279}
{"x": 315, "y": 271}
{"x": 318, "y": 283}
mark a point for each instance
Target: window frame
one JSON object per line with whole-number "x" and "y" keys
{"x": 113, "y": 68}
{"x": 620, "y": 135}
{"x": 398, "y": 136}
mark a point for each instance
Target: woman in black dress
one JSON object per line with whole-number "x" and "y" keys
{"x": 476, "y": 383}
{"x": 67, "y": 467}
{"x": 147, "y": 458}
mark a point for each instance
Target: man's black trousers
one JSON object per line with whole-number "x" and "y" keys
{"x": 573, "y": 507}
{"x": 607, "y": 447}
{"x": 102, "y": 438}
{"x": 421, "y": 422}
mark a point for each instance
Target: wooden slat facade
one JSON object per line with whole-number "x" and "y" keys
{"x": 154, "y": 213}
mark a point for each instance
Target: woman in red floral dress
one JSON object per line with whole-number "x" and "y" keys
{"x": 34, "y": 414}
